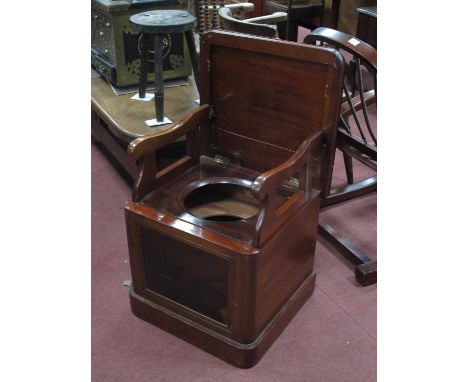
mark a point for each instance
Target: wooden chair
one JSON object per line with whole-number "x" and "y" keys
{"x": 356, "y": 134}
{"x": 222, "y": 242}
{"x": 305, "y": 13}
{"x": 260, "y": 26}
{"x": 208, "y": 16}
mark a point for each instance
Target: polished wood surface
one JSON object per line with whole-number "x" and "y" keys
{"x": 222, "y": 242}
{"x": 126, "y": 117}
{"x": 118, "y": 120}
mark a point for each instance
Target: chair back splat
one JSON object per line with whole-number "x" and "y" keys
{"x": 222, "y": 241}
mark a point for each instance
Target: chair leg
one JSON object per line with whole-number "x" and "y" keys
{"x": 348, "y": 162}
{"x": 366, "y": 274}
{"x": 365, "y": 268}
{"x": 351, "y": 191}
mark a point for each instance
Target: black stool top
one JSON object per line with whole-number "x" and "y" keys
{"x": 163, "y": 21}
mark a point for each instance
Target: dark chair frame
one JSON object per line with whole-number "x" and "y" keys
{"x": 359, "y": 144}
{"x": 265, "y": 26}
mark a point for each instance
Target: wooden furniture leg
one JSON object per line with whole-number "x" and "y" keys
{"x": 365, "y": 268}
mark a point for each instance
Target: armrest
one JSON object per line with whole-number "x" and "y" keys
{"x": 272, "y": 179}
{"x": 346, "y": 42}
{"x": 265, "y": 187}
{"x": 274, "y": 18}
{"x": 150, "y": 143}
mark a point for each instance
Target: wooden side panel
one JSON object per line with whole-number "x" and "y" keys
{"x": 284, "y": 263}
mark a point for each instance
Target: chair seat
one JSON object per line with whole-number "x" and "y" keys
{"x": 214, "y": 196}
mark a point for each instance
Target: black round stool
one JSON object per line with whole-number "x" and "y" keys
{"x": 155, "y": 24}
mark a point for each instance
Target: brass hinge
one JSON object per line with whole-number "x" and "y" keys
{"x": 324, "y": 141}
{"x": 294, "y": 182}
{"x": 210, "y": 112}
{"x": 222, "y": 160}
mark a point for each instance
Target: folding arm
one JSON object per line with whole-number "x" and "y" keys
{"x": 265, "y": 188}
{"x": 150, "y": 143}
{"x": 143, "y": 150}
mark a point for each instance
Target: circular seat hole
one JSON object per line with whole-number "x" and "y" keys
{"x": 221, "y": 202}
{"x": 222, "y": 218}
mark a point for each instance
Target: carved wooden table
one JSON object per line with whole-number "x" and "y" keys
{"x": 154, "y": 25}
{"x": 117, "y": 120}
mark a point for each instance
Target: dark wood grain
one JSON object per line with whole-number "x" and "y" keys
{"x": 222, "y": 242}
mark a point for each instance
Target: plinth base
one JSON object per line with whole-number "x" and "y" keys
{"x": 233, "y": 352}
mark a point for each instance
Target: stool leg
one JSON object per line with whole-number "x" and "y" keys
{"x": 158, "y": 77}
{"x": 189, "y": 37}
{"x": 143, "y": 66}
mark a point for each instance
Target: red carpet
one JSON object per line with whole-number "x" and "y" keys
{"x": 332, "y": 338}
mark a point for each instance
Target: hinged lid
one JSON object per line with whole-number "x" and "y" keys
{"x": 268, "y": 96}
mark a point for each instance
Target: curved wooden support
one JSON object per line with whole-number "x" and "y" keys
{"x": 146, "y": 180}
{"x": 259, "y": 26}
{"x": 346, "y": 42}
{"x": 150, "y": 143}
{"x": 265, "y": 188}
{"x": 143, "y": 149}
{"x": 270, "y": 180}
{"x": 350, "y": 191}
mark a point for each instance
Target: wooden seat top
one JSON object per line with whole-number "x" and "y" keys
{"x": 163, "y": 21}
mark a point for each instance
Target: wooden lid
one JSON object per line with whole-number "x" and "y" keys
{"x": 268, "y": 96}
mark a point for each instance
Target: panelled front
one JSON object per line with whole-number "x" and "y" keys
{"x": 186, "y": 275}
{"x": 205, "y": 286}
